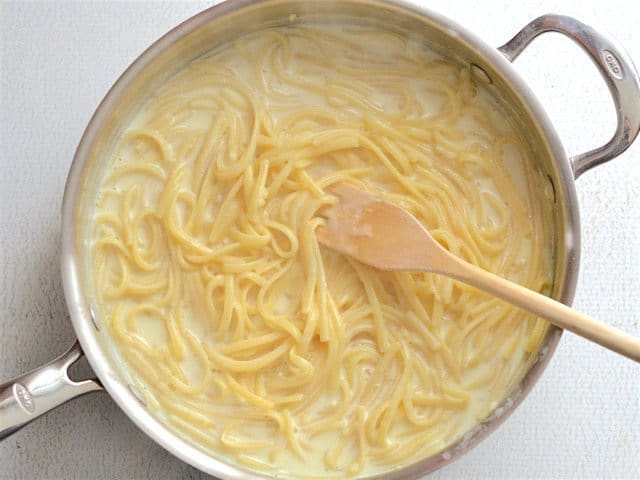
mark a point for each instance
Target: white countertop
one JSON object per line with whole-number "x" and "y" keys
{"x": 58, "y": 59}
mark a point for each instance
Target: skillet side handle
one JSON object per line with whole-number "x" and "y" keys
{"x": 613, "y": 63}
{"x": 25, "y": 398}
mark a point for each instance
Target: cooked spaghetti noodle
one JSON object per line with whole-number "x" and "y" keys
{"x": 258, "y": 344}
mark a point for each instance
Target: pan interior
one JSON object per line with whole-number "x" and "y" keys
{"x": 191, "y": 41}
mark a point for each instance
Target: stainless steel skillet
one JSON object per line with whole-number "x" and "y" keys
{"x": 227, "y": 20}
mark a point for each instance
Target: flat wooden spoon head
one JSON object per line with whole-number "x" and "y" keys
{"x": 375, "y": 232}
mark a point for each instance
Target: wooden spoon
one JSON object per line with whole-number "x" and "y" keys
{"x": 385, "y": 236}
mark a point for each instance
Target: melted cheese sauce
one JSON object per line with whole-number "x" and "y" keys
{"x": 267, "y": 350}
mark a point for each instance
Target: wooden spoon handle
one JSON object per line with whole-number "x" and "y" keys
{"x": 556, "y": 312}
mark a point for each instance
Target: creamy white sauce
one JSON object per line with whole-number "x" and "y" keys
{"x": 482, "y": 399}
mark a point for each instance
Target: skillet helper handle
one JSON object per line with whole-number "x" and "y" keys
{"x": 615, "y": 66}
{"x": 25, "y": 398}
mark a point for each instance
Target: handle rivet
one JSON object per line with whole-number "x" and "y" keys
{"x": 480, "y": 74}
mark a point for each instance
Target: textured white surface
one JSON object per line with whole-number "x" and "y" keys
{"x": 57, "y": 60}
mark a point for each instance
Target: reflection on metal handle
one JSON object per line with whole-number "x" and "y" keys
{"x": 615, "y": 66}
{"x": 25, "y": 398}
